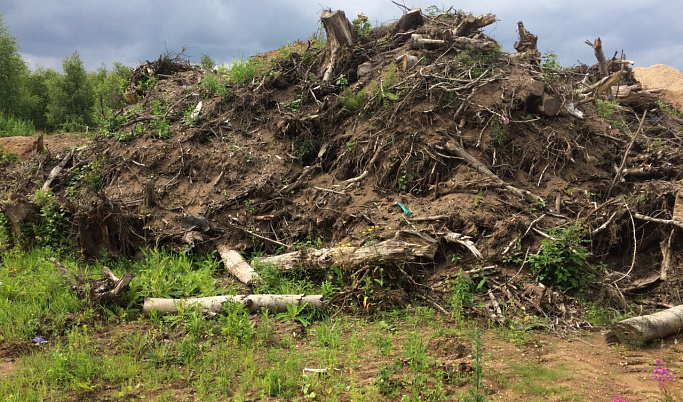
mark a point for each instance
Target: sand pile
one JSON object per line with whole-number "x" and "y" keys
{"x": 665, "y": 77}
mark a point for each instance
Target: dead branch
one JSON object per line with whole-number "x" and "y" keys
{"x": 600, "y": 56}
{"x": 236, "y": 265}
{"x": 57, "y": 170}
{"x": 214, "y": 304}
{"x": 619, "y": 174}
{"x": 657, "y": 220}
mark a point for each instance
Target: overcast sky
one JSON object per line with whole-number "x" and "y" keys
{"x": 132, "y": 31}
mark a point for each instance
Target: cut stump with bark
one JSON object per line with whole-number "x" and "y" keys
{"x": 340, "y": 36}
{"x": 409, "y": 21}
{"x": 646, "y": 328}
{"x": 214, "y": 304}
{"x": 470, "y": 23}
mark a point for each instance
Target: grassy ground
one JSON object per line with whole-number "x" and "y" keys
{"x": 115, "y": 353}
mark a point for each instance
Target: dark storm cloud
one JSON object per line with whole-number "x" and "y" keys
{"x": 133, "y": 31}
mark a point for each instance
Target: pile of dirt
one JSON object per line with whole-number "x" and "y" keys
{"x": 423, "y": 127}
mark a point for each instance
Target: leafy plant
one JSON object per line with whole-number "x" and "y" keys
{"x": 351, "y": 101}
{"x": 53, "y": 222}
{"x": 550, "y": 63}
{"x": 362, "y": 27}
{"x": 207, "y": 62}
{"x": 477, "y": 392}
{"x": 562, "y": 260}
{"x": 606, "y": 109}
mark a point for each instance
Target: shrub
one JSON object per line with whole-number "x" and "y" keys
{"x": 562, "y": 260}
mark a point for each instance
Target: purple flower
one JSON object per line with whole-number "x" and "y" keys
{"x": 618, "y": 398}
{"x": 504, "y": 120}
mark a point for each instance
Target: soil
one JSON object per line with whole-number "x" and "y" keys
{"x": 285, "y": 159}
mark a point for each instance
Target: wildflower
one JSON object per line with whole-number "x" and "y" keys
{"x": 618, "y": 398}
{"x": 504, "y": 120}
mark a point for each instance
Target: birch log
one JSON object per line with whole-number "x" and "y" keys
{"x": 406, "y": 246}
{"x": 236, "y": 265}
{"x": 214, "y": 304}
{"x": 646, "y": 328}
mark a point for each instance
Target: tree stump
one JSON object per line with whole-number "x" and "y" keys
{"x": 409, "y": 21}
{"x": 340, "y": 36}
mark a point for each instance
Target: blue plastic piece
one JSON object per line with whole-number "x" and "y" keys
{"x": 405, "y": 209}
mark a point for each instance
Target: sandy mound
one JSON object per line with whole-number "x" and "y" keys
{"x": 665, "y": 77}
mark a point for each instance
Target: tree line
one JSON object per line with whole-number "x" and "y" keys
{"x": 49, "y": 101}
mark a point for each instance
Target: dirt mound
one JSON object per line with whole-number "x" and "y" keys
{"x": 667, "y": 78}
{"x": 424, "y": 127}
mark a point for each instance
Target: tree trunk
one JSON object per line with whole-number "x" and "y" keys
{"x": 471, "y": 23}
{"x": 406, "y": 246}
{"x": 485, "y": 45}
{"x": 600, "y": 56}
{"x": 526, "y": 45}
{"x": 410, "y": 20}
{"x": 236, "y": 265}
{"x": 639, "y": 330}
{"x": 546, "y": 104}
{"x": 340, "y": 35}
{"x": 214, "y": 304}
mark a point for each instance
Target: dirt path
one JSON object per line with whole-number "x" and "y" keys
{"x": 24, "y": 146}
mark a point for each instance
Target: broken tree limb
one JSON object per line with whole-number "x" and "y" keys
{"x": 57, "y": 170}
{"x": 527, "y": 44}
{"x": 600, "y": 56}
{"x": 421, "y": 42}
{"x": 657, "y": 220}
{"x": 646, "y": 328}
{"x": 406, "y": 246}
{"x": 667, "y": 256}
{"x": 340, "y": 36}
{"x": 525, "y": 194}
{"x": 464, "y": 241}
{"x": 106, "y": 289}
{"x": 471, "y": 23}
{"x": 236, "y": 265}
{"x": 214, "y": 304}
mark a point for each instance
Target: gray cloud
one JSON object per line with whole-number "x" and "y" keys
{"x": 130, "y": 31}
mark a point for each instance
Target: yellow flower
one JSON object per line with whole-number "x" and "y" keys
{"x": 348, "y": 244}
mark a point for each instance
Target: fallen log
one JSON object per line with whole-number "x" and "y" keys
{"x": 486, "y": 45}
{"x": 57, "y": 170}
{"x": 646, "y": 328}
{"x": 236, "y": 265}
{"x": 406, "y": 246}
{"x": 214, "y": 304}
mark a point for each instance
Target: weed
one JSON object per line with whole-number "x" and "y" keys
{"x": 463, "y": 291}
{"x": 207, "y": 62}
{"x": 562, "y": 260}
{"x": 405, "y": 177}
{"x": 305, "y": 149}
{"x": 666, "y": 382}
{"x": 362, "y": 27}
{"x": 341, "y": 82}
{"x": 294, "y": 105}
{"x": 550, "y": 63}
{"x": 190, "y": 118}
{"x": 500, "y": 130}
{"x": 243, "y": 73}
{"x": 351, "y": 101}
{"x": 296, "y": 313}
{"x": 668, "y": 109}
{"x": 476, "y": 391}
{"x": 235, "y": 324}
{"x": 607, "y": 109}
{"x": 53, "y": 222}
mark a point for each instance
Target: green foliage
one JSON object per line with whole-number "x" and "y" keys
{"x": 562, "y": 260}
{"x": 53, "y": 223}
{"x": 305, "y": 149}
{"x": 606, "y": 109}
{"x": 11, "y": 127}
{"x": 243, "y": 73}
{"x": 362, "y": 27}
{"x": 108, "y": 91}
{"x": 88, "y": 176}
{"x": 235, "y": 324}
{"x": 38, "y": 84}
{"x": 207, "y": 62}
{"x": 71, "y": 101}
{"x": 351, "y": 101}
{"x": 13, "y": 72}
{"x": 550, "y": 63}
{"x": 463, "y": 290}
{"x": 668, "y": 109}
{"x": 162, "y": 274}
{"x": 275, "y": 281}
{"x": 32, "y": 290}
{"x": 476, "y": 391}
{"x": 500, "y": 131}
{"x": 294, "y": 105}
